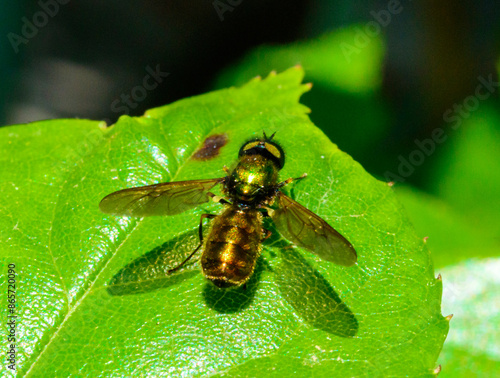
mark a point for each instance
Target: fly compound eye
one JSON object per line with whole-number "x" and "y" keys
{"x": 273, "y": 150}
{"x": 247, "y": 147}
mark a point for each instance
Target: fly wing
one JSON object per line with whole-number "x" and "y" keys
{"x": 307, "y": 230}
{"x": 167, "y": 198}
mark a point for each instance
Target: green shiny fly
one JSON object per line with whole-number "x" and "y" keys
{"x": 251, "y": 191}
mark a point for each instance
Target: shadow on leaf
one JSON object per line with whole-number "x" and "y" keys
{"x": 311, "y": 295}
{"x": 228, "y": 301}
{"x": 149, "y": 272}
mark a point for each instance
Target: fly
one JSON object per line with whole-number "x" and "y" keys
{"x": 251, "y": 192}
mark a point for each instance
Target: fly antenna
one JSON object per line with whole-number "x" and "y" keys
{"x": 268, "y": 138}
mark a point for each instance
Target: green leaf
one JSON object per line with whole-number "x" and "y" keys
{"x": 92, "y": 295}
{"x": 334, "y": 59}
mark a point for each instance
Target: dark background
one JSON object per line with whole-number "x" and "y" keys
{"x": 89, "y": 53}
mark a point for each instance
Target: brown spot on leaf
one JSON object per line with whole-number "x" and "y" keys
{"x": 211, "y": 147}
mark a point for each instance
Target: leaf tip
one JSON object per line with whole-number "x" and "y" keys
{"x": 425, "y": 239}
{"x": 103, "y": 125}
{"x": 439, "y": 278}
{"x": 437, "y": 370}
{"x": 448, "y": 318}
{"x": 390, "y": 184}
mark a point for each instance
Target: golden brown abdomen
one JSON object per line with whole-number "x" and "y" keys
{"x": 232, "y": 247}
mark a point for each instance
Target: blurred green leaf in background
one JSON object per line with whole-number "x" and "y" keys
{"x": 346, "y": 100}
{"x": 93, "y": 296}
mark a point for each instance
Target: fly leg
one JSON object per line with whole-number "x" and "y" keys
{"x": 288, "y": 181}
{"x": 218, "y": 199}
{"x": 267, "y": 234}
{"x": 203, "y": 216}
{"x": 200, "y": 230}
{"x": 267, "y": 212}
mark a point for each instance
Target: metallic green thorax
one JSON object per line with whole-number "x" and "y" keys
{"x": 253, "y": 181}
